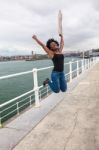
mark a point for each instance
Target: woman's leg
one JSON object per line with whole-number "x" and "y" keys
{"x": 54, "y": 84}
{"x": 63, "y": 83}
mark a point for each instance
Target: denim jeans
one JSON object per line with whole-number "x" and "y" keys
{"x": 58, "y": 82}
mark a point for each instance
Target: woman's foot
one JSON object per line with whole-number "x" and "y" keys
{"x": 46, "y": 81}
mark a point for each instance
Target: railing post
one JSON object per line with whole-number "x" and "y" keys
{"x": 35, "y": 79}
{"x": 82, "y": 65}
{"x": 17, "y": 108}
{"x": 85, "y": 65}
{"x": 91, "y": 61}
{"x": 77, "y": 68}
{"x": 0, "y": 120}
{"x": 70, "y": 70}
{"x": 88, "y": 64}
{"x": 30, "y": 101}
{"x": 47, "y": 90}
{"x": 40, "y": 95}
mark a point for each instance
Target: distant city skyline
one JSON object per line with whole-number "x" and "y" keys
{"x": 20, "y": 19}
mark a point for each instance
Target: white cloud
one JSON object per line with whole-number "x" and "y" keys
{"x": 20, "y": 19}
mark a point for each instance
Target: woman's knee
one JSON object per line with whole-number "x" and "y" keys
{"x": 64, "y": 89}
{"x": 57, "y": 91}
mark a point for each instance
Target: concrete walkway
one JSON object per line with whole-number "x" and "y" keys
{"x": 74, "y": 122}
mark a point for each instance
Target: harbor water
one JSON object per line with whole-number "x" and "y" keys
{"x": 13, "y": 87}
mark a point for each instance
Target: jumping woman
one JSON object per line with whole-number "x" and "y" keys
{"x": 54, "y": 51}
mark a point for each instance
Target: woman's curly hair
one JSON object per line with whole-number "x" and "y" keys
{"x": 50, "y": 41}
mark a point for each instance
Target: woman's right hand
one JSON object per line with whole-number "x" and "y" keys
{"x": 60, "y": 35}
{"x": 34, "y": 37}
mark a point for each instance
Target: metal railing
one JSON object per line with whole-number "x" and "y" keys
{"x": 19, "y": 103}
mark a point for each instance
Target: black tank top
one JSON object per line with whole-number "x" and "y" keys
{"x": 58, "y": 61}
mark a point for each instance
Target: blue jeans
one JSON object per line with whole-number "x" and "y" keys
{"x": 58, "y": 82}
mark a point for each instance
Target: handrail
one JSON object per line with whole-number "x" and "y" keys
{"x": 14, "y": 75}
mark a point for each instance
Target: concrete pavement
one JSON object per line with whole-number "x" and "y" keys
{"x": 73, "y": 124}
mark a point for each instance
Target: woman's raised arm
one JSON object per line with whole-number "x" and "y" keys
{"x": 61, "y": 42}
{"x": 49, "y": 52}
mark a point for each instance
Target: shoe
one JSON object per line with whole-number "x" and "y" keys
{"x": 46, "y": 81}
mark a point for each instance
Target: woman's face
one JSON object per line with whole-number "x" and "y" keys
{"x": 54, "y": 46}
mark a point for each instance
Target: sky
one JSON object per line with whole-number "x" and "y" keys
{"x": 20, "y": 19}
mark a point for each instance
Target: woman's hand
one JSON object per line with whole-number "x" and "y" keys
{"x": 34, "y": 37}
{"x": 60, "y": 35}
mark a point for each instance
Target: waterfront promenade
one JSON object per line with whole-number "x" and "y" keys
{"x": 73, "y": 124}
{"x": 64, "y": 121}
